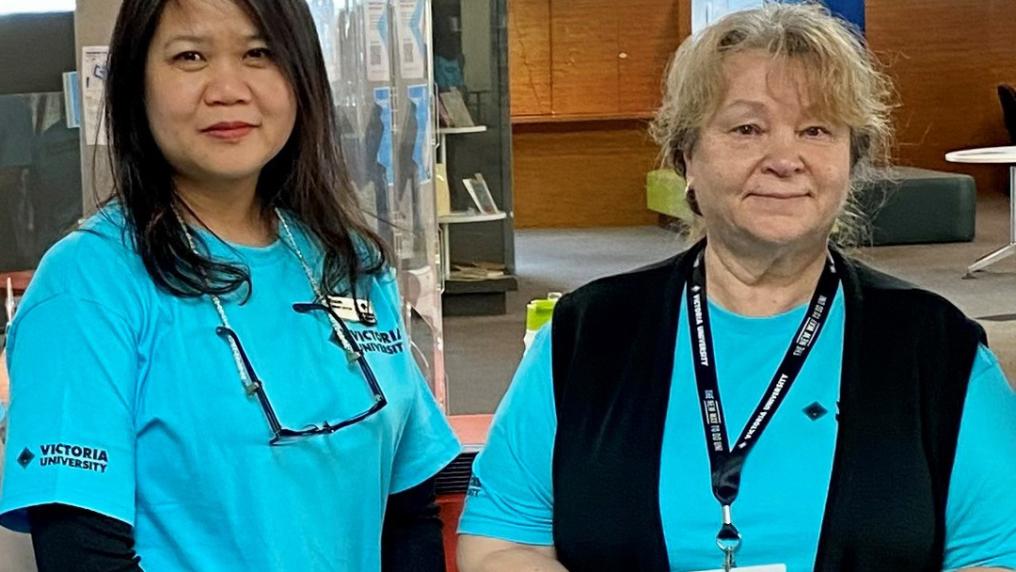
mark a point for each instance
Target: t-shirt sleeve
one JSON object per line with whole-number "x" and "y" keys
{"x": 510, "y": 497}
{"x": 73, "y": 363}
{"x": 981, "y": 508}
{"x": 427, "y": 443}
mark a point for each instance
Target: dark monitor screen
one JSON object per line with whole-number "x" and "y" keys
{"x": 35, "y": 50}
{"x": 40, "y": 156}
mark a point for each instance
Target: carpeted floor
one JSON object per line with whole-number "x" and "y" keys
{"x": 481, "y": 352}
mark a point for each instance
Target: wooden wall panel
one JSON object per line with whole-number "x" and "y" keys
{"x": 529, "y": 56}
{"x": 946, "y": 57}
{"x": 582, "y": 174}
{"x": 647, "y": 40}
{"x": 584, "y": 56}
{"x": 683, "y": 19}
{"x": 592, "y": 173}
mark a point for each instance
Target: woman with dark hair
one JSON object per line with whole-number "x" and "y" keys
{"x": 228, "y": 300}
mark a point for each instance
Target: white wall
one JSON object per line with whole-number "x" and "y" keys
{"x": 705, "y": 12}
{"x": 19, "y": 6}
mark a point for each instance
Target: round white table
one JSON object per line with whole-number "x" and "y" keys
{"x": 1004, "y": 155}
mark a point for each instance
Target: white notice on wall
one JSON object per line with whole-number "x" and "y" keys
{"x": 377, "y": 41}
{"x": 93, "y": 92}
{"x": 411, "y": 38}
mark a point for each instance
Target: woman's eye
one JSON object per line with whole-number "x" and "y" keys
{"x": 817, "y": 131}
{"x": 188, "y": 57}
{"x": 748, "y": 129}
{"x": 260, "y": 53}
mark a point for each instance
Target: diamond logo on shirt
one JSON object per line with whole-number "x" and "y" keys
{"x": 815, "y": 411}
{"x": 25, "y": 458}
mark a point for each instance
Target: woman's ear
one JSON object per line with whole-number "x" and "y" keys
{"x": 685, "y": 158}
{"x": 689, "y": 185}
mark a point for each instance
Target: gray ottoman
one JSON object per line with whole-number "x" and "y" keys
{"x": 910, "y": 205}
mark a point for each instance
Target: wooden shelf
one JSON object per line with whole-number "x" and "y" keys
{"x": 576, "y": 118}
{"x": 499, "y": 284}
{"x": 464, "y": 217}
{"x": 477, "y": 298}
{"x": 461, "y": 130}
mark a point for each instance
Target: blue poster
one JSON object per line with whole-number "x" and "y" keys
{"x": 72, "y": 99}
{"x": 383, "y": 102}
{"x": 419, "y": 97}
{"x": 850, "y": 10}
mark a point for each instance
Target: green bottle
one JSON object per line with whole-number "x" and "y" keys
{"x": 538, "y": 313}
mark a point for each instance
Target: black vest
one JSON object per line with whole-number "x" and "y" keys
{"x": 906, "y": 362}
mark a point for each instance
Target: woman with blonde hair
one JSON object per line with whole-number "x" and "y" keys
{"x": 761, "y": 399}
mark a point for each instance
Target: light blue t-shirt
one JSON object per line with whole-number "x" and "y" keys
{"x": 785, "y": 481}
{"x": 126, "y": 402}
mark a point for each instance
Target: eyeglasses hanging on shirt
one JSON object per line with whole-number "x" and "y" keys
{"x": 727, "y": 462}
{"x": 252, "y": 383}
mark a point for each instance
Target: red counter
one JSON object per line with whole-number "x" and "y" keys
{"x": 19, "y": 280}
{"x": 472, "y": 432}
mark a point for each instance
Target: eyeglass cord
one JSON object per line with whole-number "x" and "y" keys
{"x": 251, "y": 386}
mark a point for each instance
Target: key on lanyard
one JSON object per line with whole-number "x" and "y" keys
{"x": 728, "y": 539}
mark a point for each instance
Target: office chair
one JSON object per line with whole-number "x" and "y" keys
{"x": 1007, "y": 97}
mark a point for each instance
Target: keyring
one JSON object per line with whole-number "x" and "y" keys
{"x": 728, "y": 540}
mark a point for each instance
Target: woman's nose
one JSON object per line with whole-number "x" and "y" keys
{"x": 783, "y": 156}
{"x": 227, "y": 86}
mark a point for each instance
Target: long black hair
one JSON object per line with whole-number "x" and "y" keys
{"x": 307, "y": 178}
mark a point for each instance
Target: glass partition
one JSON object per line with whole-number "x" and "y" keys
{"x": 378, "y": 57}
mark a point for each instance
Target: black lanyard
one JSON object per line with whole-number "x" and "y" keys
{"x": 726, "y": 463}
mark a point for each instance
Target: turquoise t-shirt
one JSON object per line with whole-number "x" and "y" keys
{"x": 126, "y": 402}
{"x": 786, "y": 477}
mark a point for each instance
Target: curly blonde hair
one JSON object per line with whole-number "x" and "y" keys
{"x": 844, "y": 82}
